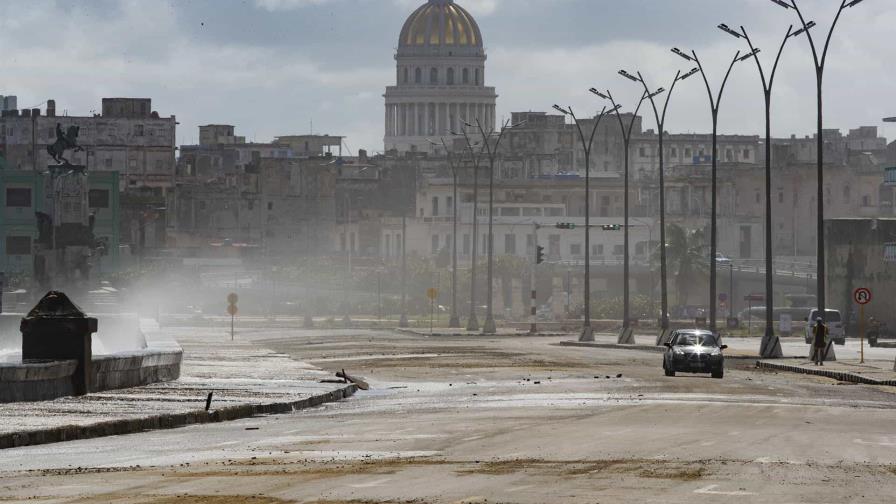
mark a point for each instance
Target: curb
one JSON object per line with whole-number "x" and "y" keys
{"x": 614, "y": 346}
{"x": 442, "y": 334}
{"x": 647, "y": 348}
{"x": 169, "y": 421}
{"x": 836, "y": 375}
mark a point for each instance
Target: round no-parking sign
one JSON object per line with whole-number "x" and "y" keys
{"x": 862, "y": 296}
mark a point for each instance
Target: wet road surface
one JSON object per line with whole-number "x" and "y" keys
{"x": 498, "y": 420}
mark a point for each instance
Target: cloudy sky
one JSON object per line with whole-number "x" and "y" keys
{"x": 273, "y": 67}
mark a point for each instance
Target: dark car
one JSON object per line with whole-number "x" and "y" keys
{"x": 694, "y": 351}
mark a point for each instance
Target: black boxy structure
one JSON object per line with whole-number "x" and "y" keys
{"x": 56, "y": 329}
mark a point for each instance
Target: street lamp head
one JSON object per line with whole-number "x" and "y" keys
{"x": 657, "y": 93}
{"x": 809, "y": 25}
{"x": 560, "y": 109}
{"x": 853, "y": 3}
{"x": 467, "y": 124}
{"x": 890, "y": 119}
{"x": 614, "y": 109}
{"x": 682, "y": 54}
{"x": 689, "y": 73}
{"x": 749, "y": 55}
{"x": 725, "y": 28}
{"x": 629, "y": 76}
{"x": 782, "y": 3}
{"x": 598, "y": 93}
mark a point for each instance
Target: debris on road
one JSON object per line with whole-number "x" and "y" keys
{"x": 363, "y": 385}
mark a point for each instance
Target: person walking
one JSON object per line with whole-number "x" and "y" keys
{"x": 819, "y": 343}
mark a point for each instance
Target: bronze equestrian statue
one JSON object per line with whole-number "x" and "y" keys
{"x": 64, "y": 141}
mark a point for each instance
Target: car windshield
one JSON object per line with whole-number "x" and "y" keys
{"x": 695, "y": 339}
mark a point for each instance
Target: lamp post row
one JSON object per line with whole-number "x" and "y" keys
{"x": 770, "y": 346}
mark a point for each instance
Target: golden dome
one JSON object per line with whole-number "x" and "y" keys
{"x": 440, "y": 23}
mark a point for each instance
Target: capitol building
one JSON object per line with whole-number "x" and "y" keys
{"x": 439, "y": 79}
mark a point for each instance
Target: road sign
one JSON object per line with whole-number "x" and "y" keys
{"x": 862, "y": 296}
{"x": 754, "y": 297}
{"x": 232, "y": 310}
{"x": 232, "y": 298}
{"x": 432, "y": 293}
{"x": 723, "y": 297}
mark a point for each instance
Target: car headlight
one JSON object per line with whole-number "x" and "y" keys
{"x": 716, "y": 352}
{"x": 678, "y": 352}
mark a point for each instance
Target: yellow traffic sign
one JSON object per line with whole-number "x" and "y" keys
{"x": 432, "y": 293}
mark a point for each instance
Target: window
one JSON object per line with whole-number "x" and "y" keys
{"x": 467, "y": 244}
{"x": 418, "y": 76}
{"x": 160, "y": 165}
{"x": 575, "y": 249}
{"x": 642, "y": 152}
{"x": 270, "y": 205}
{"x": 531, "y": 212}
{"x": 98, "y": 198}
{"x": 729, "y": 155}
{"x": 138, "y": 130}
{"x": 450, "y": 76}
{"x": 449, "y": 203}
{"x": 674, "y": 152}
{"x": 18, "y": 245}
{"x": 406, "y": 72}
{"x": 433, "y": 76}
{"x": 618, "y": 250}
{"x": 510, "y": 244}
{"x": 746, "y": 153}
{"x": 687, "y": 152}
{"x": 780, "y": 196}
{"x": 846, "y": 194}
{"x": 598, "y": 250}
{"x": 435, "y": 206}
{"x": 435, "y": 244}
{"x": 477, "y": 77}
{"x": 466, "y": 75}
{"x": 18, "y": 197}
{"x": 485, "y": 243}
{"x": 510, "y": 211}
{"x": 108, "y": 162}
{"x": 554, "y": 212}
{"x": 758, "y": 197}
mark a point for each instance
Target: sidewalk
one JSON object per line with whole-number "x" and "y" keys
{"x": 872, "y": 372}
{"x": 245, "y": 380}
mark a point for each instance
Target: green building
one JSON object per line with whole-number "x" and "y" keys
{"x": 22, "y": 194}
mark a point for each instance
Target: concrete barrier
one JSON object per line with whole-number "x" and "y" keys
{"x": 160, "y": 361}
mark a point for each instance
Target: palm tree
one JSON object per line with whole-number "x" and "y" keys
{"x": 685, "y": 251}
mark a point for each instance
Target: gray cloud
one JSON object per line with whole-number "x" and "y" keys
{"x": 273, "y": 66}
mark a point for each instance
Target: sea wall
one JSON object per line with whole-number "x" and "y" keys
{"x": 40, "y": 381}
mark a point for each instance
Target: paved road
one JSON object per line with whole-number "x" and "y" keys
{"x": 503, "y": 420}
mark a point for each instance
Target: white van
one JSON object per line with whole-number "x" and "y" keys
{"x": 834, "y": 322}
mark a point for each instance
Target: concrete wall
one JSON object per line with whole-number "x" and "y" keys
{"x": 159, "y": 361}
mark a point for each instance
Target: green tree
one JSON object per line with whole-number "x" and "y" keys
{"x": 686, "y": 255}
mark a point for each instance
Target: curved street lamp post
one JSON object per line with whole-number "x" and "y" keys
{"x": 770, "y": 347}
{"x": 819, "y": 61}
{"x": 626, "y": 335}
{"x": 714, "y": 103}
{"x": 587, "y": 331}
{"x": 661, "y": 122}
{"x": 489, "y": 327}
{"x": 473, "y": 321}
{"x": 454, "y": 322}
